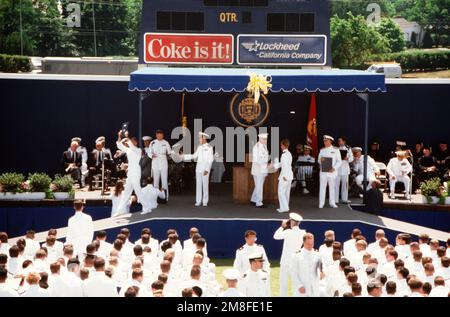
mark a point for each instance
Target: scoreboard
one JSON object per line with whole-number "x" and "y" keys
{"x": 285, "y": 33}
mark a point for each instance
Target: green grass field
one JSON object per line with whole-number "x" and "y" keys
{"x": 223, "y": 264}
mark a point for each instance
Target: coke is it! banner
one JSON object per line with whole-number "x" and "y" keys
{"x": 186, "y": 48}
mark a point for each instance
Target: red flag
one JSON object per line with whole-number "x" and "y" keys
{"x": 311, "y": 128}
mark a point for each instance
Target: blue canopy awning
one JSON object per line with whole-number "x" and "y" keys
{"x": 181, "y": 79}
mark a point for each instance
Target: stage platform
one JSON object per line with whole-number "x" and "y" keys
{"x": 225, "y": 222}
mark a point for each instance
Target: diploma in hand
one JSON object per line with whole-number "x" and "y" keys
{"x": 326, "y": 164}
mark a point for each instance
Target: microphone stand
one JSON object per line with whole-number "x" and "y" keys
{"x": 103, "y": 176}
{"x": 412, "y": 173}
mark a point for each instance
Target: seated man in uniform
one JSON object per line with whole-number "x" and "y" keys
{"x": 304, "y": 167}
{"x": 72, "y": 162}
{"x": 98, "y": 157}
{"x": 442, "y": 154}
{"x": 358, "y": 166}
{"x": 427, "y": 165}
{"x": 398, "y": 169}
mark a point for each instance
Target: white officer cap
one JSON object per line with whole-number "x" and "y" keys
{"x": 307, "y": 147}
{"x": 295, "y": 216}
{"x": 76, "y": 139}
{"x": 203, "y": 135}
{"x": 400, "y": 153}
{"x": 231, "y": 274}
{"x": 357, "y": 149}
{"x": 100, "y": 139}
{"x": 263, "y": 135}
{"x": 146, "y": 138}
{"x": 73, "y": 143}
{"x": 401, "y": 143}
{"x": 256, "y": 256}
{"x": 327, "y": 137}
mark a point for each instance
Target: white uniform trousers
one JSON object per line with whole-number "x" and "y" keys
{"x": 284, "y": 193}
{"x": 285, "y": 276}
{"x": 161, "y": 174}
{"x": 327, "y": 179}
{"x": 257, "y": 196}
{"x": 130, "y": 185}
{"x": 202, "y": 193}
{"x": 404, "y": 179}
{"x": 342, "y": 185}
{"x": 370, "y": 177}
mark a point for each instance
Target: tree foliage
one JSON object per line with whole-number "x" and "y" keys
{"x": 393, "y": 34}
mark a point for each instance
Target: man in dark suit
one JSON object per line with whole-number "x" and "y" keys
{"x": 146, "y": 169}
{"x": 97, "y": 158}
{"x": 72, "y": 162}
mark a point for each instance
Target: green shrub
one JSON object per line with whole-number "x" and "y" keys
{"x": 417, "y": 60}
{"x": 14, "y": 63}
{"x": 431, "y": 187}
{"x": 63, "y": 184}
{"x": 12, "y": 182}
{"x": 39, "y": 182}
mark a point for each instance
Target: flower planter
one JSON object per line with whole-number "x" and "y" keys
{"x": 61, "y": 195}
{"x": 447, "y": 200}
{"x": 22, "y": 196}
{"x": 434, "y": 200}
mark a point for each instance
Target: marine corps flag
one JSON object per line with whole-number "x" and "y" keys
{"x": 311, "y": 128}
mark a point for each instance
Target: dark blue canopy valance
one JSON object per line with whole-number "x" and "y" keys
{"x": 181, "y": 79}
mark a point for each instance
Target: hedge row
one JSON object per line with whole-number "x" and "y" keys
{"x": 418, "y": 60}
{"x": 14, "y": 63}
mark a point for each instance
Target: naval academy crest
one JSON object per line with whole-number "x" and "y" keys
{"x": 245, "y": 112}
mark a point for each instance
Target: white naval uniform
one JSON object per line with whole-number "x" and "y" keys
{"x": 231, "y": 292}
{"x": 399, "y": 170}
{"x": 305, "y": 272}
{"x": 205, "y": 157}
{"x": 115, "y": 201}
{"x": 293, "y": 241}
{"x": 133, "y": 181}
{"x": 151, "y": 194}
{"x": 158, "y": 151}
{"x": 80, "y": 231}
{"x": 329, "y": 178}
{"x": 255, "y": 284}
{"x": 342, "y": 175}
{"x": 260, "y": 158}
{"x": 99, "y": 285}
{"x": 372, "y": 168}
{"x": 241, "y": 261}
{"x": 284, "y": 180}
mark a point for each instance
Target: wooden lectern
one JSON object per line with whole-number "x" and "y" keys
{"x": 243, "y": 184}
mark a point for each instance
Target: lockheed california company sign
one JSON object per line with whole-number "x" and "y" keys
{"x": 255, "y": 49}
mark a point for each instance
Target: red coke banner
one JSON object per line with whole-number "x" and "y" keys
{"x": 187, "y": 48}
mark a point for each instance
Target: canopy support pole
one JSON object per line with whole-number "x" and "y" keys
{"x": 142, "y": 97}
{"x": 365, "y": 97}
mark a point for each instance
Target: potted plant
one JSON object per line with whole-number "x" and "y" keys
{"x": 39, "y": 185}
{"x": 430, "y": 190}
{"x": 447, "y": 188}
{"x": 62, "y": 187}
{"x": 11, "y": 185}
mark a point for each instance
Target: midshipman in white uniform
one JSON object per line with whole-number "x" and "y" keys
{"x": 255, "y": 282}
{"x": 293, "y": 241}
{"x": 328, "y": 178}
{"x": 151, "y": 194}
{"x": 205, "y": 157}
{"x": 133, "y": 182}
{"x": 80, "y": 229}
{"x": 398, "y": 169}
{"x": 260, "y": 159}
{"x": 158, "y": 151}
{"x": 231, "y": 277}
{"x": 241, "y": 261}
{"x": 286, "y": 176}
{"x": 343, "y": 171}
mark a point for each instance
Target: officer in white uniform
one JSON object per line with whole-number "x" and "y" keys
{"x": 133, "y": 181}
{"x": 329, "y": 151}
{"x": 158, "y": 151}
{"x": 286, "y": 176}
{"x": 398, "y": 169}
{"x": 358, "y": 167}
{"x": 80, "y": 229}
{"x": 255, "y": 282}
{"x": 231, "y": 277}
{"x": 147, "y": 139}
{"x": 306, "y": 265}
{"x": 151, "y": 194}
{"x": 260, "y": 159}
{"x": 343, "y": 171}
{"x": 84, "y": 157}
{"x": 205, "y": 157}
{"x": 293, "y": 241}
{"x": 305, "y": 172}
{"x": 241, "y": 261}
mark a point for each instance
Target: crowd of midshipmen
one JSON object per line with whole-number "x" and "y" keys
{"x": 85, "y": 266}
